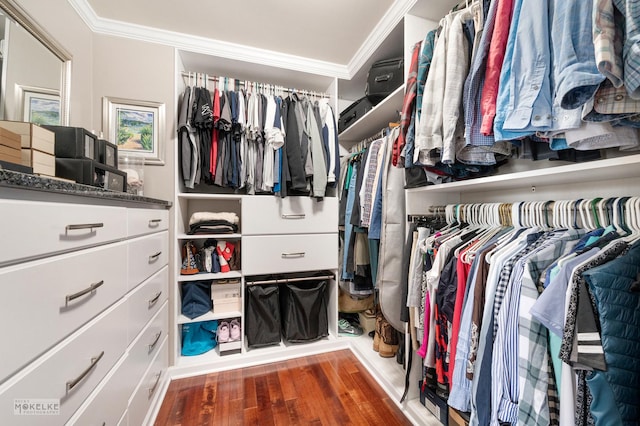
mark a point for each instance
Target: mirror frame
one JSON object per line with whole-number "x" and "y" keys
{"x": 18, "y": 14}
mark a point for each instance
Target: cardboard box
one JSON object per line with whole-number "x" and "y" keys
{"x": 32, "y": 136}
{"x": 42, "y": 163}
{"x": 457, "y": 419}
{"x": 10, "y": 155}
{"x": 10, "y": 139}
{"x": 229, "y": 348}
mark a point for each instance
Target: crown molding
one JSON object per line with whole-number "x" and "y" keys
{"x": 206, "y": 45}
{"x": 381, "y": 31}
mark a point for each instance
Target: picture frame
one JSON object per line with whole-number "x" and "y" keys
{"x": 40, "y": 106}
{"x": 135, "y": 126}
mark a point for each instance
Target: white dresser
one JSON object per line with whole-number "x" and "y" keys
{"x": 84, "y": 314}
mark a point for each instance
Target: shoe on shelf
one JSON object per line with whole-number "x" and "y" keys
{"x": 234, "y": 325}
{"x": 223, "y": 332}
{"x": 377, "y": 331}
{"x": 345, "y": 328}
{"x": 189, "y": 265}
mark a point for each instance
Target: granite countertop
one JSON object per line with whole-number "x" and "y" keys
{"x": 16, "y": 180}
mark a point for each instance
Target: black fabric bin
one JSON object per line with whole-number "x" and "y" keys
{"x": 262, "y": 316}
{"x": 304, "y": 311}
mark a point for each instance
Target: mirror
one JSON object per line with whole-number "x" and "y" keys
{"x": 35, "y": 71}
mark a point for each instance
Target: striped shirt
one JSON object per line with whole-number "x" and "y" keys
{"x": 631, "y": 49}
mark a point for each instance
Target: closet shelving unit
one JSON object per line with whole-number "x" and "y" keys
{"x": 249, "y": 209}
{"x": 399, "y": 42}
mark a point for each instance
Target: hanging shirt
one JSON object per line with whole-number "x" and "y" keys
{"x": 631, "y": 49}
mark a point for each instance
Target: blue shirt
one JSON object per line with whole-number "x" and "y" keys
{"x": 631, "y": 49}
{"x": 524, "y": 101}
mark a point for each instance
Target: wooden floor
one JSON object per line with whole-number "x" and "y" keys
{"x": 327, "y": 389}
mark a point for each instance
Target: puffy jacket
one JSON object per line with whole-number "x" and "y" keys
{"x": 619, "y": 313}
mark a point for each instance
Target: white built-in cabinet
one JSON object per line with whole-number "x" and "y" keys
{"x": 84, "y": 314}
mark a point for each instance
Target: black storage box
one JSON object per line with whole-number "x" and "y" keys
{"x": 384, "y": 77}
{"x": 91, "y": 173}
{"x": 353, "y": 113}
{"x": 262, "y": 315}
{"x": 107, "y": 153}
{"x": 74, "y": 142}
{"x": 304, "y": 311}
{"x": 436, "y": 405}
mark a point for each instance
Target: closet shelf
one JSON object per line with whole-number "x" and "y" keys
{"x": 593, "y": 171}
{"x": 206, "y": 277}
{"x": 374, "y": 120}
{"x": 208, "y": 196}
{"x": 183, "y": 236}
{"x": 209, "y": 316}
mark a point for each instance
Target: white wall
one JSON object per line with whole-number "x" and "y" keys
{"x": 115, "y": 67}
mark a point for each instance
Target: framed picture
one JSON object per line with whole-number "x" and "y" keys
{"x": 40, "y": 106}
{"x": 135, "y": 126}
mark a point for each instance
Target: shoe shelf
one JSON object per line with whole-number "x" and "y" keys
{"x": 183, "y": 319}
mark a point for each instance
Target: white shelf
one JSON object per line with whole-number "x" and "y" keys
{"x": 208, "y": 196}
{"x": 374, "y": 120}
{"x": 183, "y": 236}
{"x": 209, "y": 316}
{"x": 583, "y": 173}
{"x": 206, "y": 277}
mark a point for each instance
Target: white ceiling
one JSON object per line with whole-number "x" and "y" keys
{"x": 331, "y": 31}
{"x": 327, "y": 30}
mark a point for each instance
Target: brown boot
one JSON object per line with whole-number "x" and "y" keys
{"x": 376, "y": 335}
{"x": 389, "y": 343}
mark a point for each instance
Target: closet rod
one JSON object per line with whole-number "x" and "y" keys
{"x": 364, "y": 143}
{"x": 291, "y": 280}
{"x": 264, "y": 85}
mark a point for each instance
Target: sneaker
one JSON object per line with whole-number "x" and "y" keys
{"x": 235, "y": 330}
{"x": 345, "y": 328}
{"x": 223, "y": 332}
{"x": 189, "y": 266}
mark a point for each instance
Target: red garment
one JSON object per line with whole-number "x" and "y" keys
{"x": 408, "y": 104}
{"x": 463, "y": 270}
{"x": 495, "y": 57}
{"x": 214, "y": 134}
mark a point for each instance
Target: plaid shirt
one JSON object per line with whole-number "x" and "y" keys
{"x": 630, "y": 52}
{"x": 533, "y": 359}
{"x": 607, "y": 40}
{"x": 408, "y": 104}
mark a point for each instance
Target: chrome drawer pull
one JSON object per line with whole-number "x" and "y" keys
{"x": 154, "y": 299}
{"x": 84, "y": 226}
{"x": 154, "y": 223}
{"x": 294, "y": 216}
{"x": 155, "y": 341}
{"x": 152, "y": 389}
{"x": 291, "y": 255}
{"x": 94, "y": 362}
{"x": 93, "y": 287}
{"x": 154, "y": 256}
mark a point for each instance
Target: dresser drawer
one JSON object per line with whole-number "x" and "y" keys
{"x": 146, "y": 256}
{"x": 146, "y": 221}
{"x": 69, "y": 372}
{"x": 289, "y": 253}
{"x": 38, "y": 228}
{"x": 146, "y": 346}
{"x": 46, "y": 300}
{"x": 148, "y": 387}
{"x": 146, "y": 300}
{"x": 108, "y": 403}
{"x": 291, "y": 215}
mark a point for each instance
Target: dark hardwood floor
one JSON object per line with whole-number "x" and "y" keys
{"x": 327, "y": 389}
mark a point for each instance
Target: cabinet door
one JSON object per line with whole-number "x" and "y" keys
{"x": 46, "y": 300}
{"x": 38, "y": 228}
{"x": 146, "y": 221}
{"x": 274, "y": 254}
{"x": 69, "y": 372}
{"x": 146, "y": 256}
{"x": 292, "y": 215}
